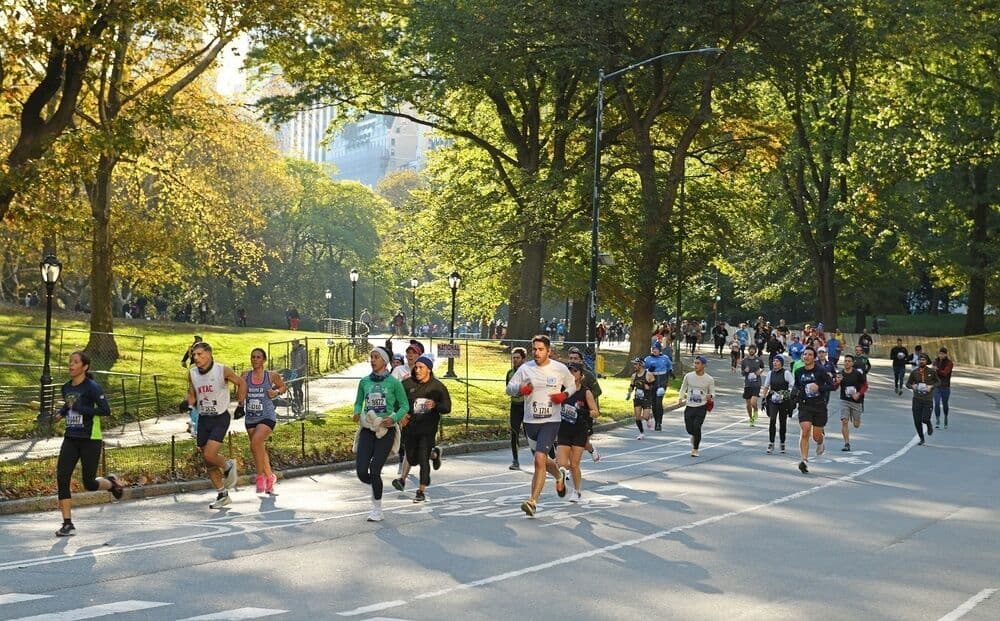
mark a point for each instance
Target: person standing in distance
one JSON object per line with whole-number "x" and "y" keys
{"x": 899, "y": 356}
{"x": 207, "y": 390}
{"x": 517, "y": 357}
{"x": 923, "y": 381}
{"x": 83, "y": 406}
{"x": 379, "y": 407}
{"x": 942, "y": 393}
{"x": 698, "y": 394}
{"x": 543, "y": 383}
{"x": 812, "y": 384}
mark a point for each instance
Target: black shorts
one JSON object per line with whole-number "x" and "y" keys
{"x": 814, "y": 413}
{"x": 212, "y": 428}
{"x": 266, "y": 422}
{"x": 750, "y": 392}
{"x": 644, "y": 403}
{"x": 573, "y": 434}
{"x": 542, "y": 436}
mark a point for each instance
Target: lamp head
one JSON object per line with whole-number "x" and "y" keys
{"x": 454, "y": 280}
{"x": 51, "y": 268}
{"x": 354, "y": 275}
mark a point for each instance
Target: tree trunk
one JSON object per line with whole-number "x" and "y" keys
{"x": 827, "y": 288}
{"x": 642, "y": 323}
{"x": 102, "y": 346}
{"x": 859, "y": 319}
{"x": 526, "y": 301}
{"x": 975, "y": 318}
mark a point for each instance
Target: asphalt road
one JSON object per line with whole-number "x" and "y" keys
{"x": 889, "y": 531}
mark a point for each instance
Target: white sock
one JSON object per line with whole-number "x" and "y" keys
{"x": 377, "y": 504}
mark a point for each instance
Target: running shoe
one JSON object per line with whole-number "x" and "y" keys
{"x": 595, "y": 456}
{"x": 116, "y": 488}
{"x": 436, "y": 457}
{"x": 576, "y": 496}
{"x": 399, "y": 484}
{"x": 561, "y": 483}
{"x": 782, "y": 448}
{"x": 930, "y": 429}
{"x": 261, "y": 481}
{"x": 770, "y": 448}
{"x": 221, "y": 500}
{"x": 230, "y": 474}
{"x": 694, "y": 452}
{"x": 937, "y": 423}
{"x": 820, "y": 448}
{"x": 641, "y": 436}
{"x": 66, "y": 530}
{"x": 847, "y": 448}
{"x": 945, "y": 422}
{"x": 375, "y": 515}
{"x": 514, "y": 466}
{"x": 803, "y": 468}
{"x": 658, "y": 428}
{"x": 419, "y": 497}
{"x": 528, "y": 506}
{"x": 921, "y": 443}
{"x": 271, "y": 480}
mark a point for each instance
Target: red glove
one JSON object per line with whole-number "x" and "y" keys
{"x": 558, "y": 398}
{"x": 525, "y": 390}
{"x": 710, "y": 405}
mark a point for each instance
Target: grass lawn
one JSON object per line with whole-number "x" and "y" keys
{"x": 923, "y": 325}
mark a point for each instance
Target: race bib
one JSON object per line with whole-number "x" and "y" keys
{"x": 752, "y": 379}
{"x": 420, "y": 406}
{"x": 207, "y": 408}
{"x": 540, "y": 411}
{"x": 776, "y": 397}
{"x": 254, "y": 405}
{"x": 696, "y": 397}
{"x": 640, "y": 393}
{"x": 74, "y": 420}
{"x": 811, "y": 392}
{"x": 375, "y": 401}
{"x": 850, "y": 391}
{"x": 922, "y": 388}
{"x": 900, "y": 355}
{"x": 569, "y": 413}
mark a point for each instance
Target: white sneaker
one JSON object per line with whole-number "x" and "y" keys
{"x": 694, "y": 452}
{"x": 576, "y": 496}
{"x": 820, "y": 448}
{"x": 222, "y": 500}
{"x": 230, "y": 474}
{"x": 375, "y": 515}
{"x": 641, "y": 436}
{"x": 595, "y": 455}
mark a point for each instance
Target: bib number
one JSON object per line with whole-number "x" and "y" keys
{"x": 569, "y": 413}
{"x": 254, "y": 405}
{"x": 696, "y": 398}
{"x": 540, "y": 411}
{"x": 375, "y": 401}
{"x": 74, "y": 419}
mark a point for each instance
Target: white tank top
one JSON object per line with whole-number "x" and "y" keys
{"x": 210, "y": 390}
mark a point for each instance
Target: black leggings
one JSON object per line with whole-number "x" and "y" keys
{"x": 84, "y": 450}
{"x": 922, "y": 416}
{"x": 372, "y": 453}
{"x": 693, "y": 420}
{"x": 516, "y": 424}
{"x": 418, "y": 453}
{"x": 776, "y": 413}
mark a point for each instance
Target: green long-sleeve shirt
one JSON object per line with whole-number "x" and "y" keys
{"x": 385, "y": 396}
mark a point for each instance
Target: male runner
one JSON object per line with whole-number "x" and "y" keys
{"x": 853, "y": 386}
{"x": 751, "y": 368}
{"x": 812, "y": 383}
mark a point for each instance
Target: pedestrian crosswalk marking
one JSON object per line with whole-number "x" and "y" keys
{"x": 237, "y": 614}
{"x": 13, "y": 598}
{"x": 92, "y": 612}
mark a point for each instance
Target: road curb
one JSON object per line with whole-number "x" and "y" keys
{"x": 85, "y": 499}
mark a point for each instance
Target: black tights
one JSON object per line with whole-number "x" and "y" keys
{"x": 516, "y": 424}
{"x": 84, "y": 450}
{"x": 774, "y": 414}
{"x": 372, "y": 454}
{"x": 694, "y": 418}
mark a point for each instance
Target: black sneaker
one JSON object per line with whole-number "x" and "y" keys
{"x": 930, "y": 429}
{"x": 921, "y": 443}
{"x": 116, "y": 488}
{"x": 436, "y": 457}
{"x": 658, "y": 428}
{"x": 419, "y": 497}
{"x": 782, "y": 448}
{"x": 561, "y": 480}
{"x": 66, "y": 530}
{"x": 514, "y": 466}
{"x": 803, "y": 468}
{"x": 399, "y": 484}
{"x": 847, "y": 448}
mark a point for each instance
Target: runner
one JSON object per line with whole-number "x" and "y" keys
{"x": 542, "y": 382}
{"x": 661, "y": 365}
{"x": 853, "y": 386}
{"x": 719, "y": 336}
{"x": 83, "y": 406}
{"x": 734, "y": 354}
{"x": 865, "y": 341}
{"x": 698, "y": 394}
{"x": 744, "y": 338}
{"x": 774, "y": 345}
{"x": 590, "y": 383}
{"x": 577, "y": 411}
{"x": 899, "y": 356}
{"x": 402, "y": 372}
{"x": 261, "y": 417}
{"x": 861, "y": 361}
{"x": 517, "y": 356}
{"x": 428, "y": 399}
{"x": 751, "y": 368}
{"x": 923, "y": 381}
{"x": 208, "y": 392}
{"x": 811, "y": 384}
{"x": 379, "y": 407}
{"x": 643, "y": 384}
{"x": 777, "y": 400}
{"x": 795, "y": 349}
{"x": 942, "y": 394}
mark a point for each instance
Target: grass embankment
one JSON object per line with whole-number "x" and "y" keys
{"x": 926, "y": 325}
{"x": 327, "y": 438}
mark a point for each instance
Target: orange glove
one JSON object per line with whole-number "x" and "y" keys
{"x": 525, "y": 390}
{"x": 558, "y": 398}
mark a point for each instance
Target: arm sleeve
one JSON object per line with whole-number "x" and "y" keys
{"x": 99, "y": 403}
{"x": 909, "y": 380}
{"x": 683, "y": 391}
{"x": 402, "y": 403}
{"x": 711, "y": 389}
{"x": 514, "y": 384}
{"x": 863, "y": 388}
{"x": 767, "y": 381}
{"x": 827, "y": 384}
{"x": 359, "y": 401}
{"x": 444, "y": 405}
{"x": 595, "y": 388}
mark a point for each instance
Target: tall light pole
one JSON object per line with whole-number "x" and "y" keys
{"x": 51, "y": 268}
{"x": 596, "y": 198}
{"x": 454, "y": 280}
{"x": 354, "y": 301}
{"x": 329, "y": 296}
{"x": 413, "y": 306}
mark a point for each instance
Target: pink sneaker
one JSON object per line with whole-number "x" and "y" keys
{"x": 261, "y": 482}
{"x": 271, "y": 480}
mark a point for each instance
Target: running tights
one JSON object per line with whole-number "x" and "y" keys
{"x": 775, "y": 415}
{"x": 372, "y": 453}
{"x": 84, "y": 450}
{"x": 922, "y": 416}
{"x": 693, "y": 420}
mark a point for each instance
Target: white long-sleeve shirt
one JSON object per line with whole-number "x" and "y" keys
{"x": 696, "y": 389}
{"x": 545, "y": 381}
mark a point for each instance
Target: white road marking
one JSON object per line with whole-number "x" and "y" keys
{"x": 237, "y": 614}
{"x": 14, "y": 598}
{"x": 969, "y": 604}
{"x": 92, "y": 612}
{"x": 372, "y": 608}
{"x": 639, "y": 540}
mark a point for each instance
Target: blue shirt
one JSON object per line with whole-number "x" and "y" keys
{"x": 795, "y": 350}
{"x": 833, "y": 347}
{"x": 742, "y": 335}
{"x": 661, "y": 364}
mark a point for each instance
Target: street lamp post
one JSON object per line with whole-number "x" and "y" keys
{"x": 329, "y": 296}
{"x": 413, "y": 306}
{"x": 51, "y": 268}
{"x": 454, "y": 280}
{"x": 354, "y": 301}
{"x": 596, "y": 197}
